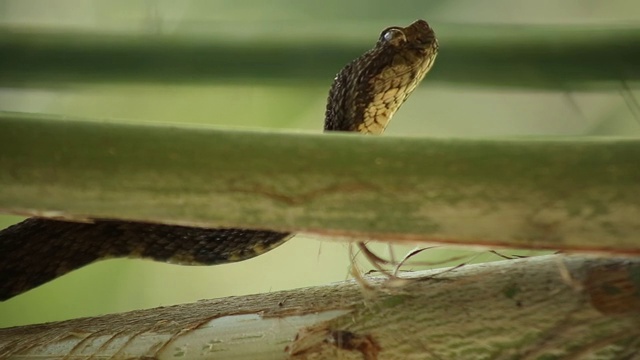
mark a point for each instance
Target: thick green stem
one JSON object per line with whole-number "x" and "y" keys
{"x": 580, "y": 193}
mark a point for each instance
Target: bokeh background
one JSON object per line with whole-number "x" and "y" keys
{"x": 437, "y": 108}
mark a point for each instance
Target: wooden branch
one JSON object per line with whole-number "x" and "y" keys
{"x": 565, "y": 307}
{"x": 580, "y": 194}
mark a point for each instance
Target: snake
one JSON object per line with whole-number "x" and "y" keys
{"x": 363, "y": 98}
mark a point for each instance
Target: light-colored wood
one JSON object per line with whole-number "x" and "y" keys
{"x": 550, "y": 307}
{"x": 581, "y": 194}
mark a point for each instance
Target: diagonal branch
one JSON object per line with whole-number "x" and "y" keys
{"x": 566, "y": 307}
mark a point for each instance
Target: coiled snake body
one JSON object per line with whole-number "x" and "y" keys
{"x": 363, "y": 98}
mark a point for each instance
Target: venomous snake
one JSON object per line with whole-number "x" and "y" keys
{"x": 364, "y": 96}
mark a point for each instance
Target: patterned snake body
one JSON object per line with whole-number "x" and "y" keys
{"x": 363, "y": 98}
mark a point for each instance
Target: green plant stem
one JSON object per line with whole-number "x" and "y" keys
{"x": 580, "y": 193}
{"x": 559, "y": 58}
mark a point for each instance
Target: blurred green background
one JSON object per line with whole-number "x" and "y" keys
{"x": 438, "y": 108}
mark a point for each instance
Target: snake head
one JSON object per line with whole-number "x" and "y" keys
{"x": 417, "y": 36}
{"x": 368, "y": 91}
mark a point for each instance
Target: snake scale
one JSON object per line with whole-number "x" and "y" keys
{"x": 364, "y": 96}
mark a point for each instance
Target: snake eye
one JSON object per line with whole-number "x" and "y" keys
{"x": 393, "y": 36}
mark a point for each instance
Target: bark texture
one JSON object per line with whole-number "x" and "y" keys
{"x": 551, "y": 307}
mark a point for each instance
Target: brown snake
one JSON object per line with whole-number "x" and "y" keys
{"x": 364, "y": 96}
